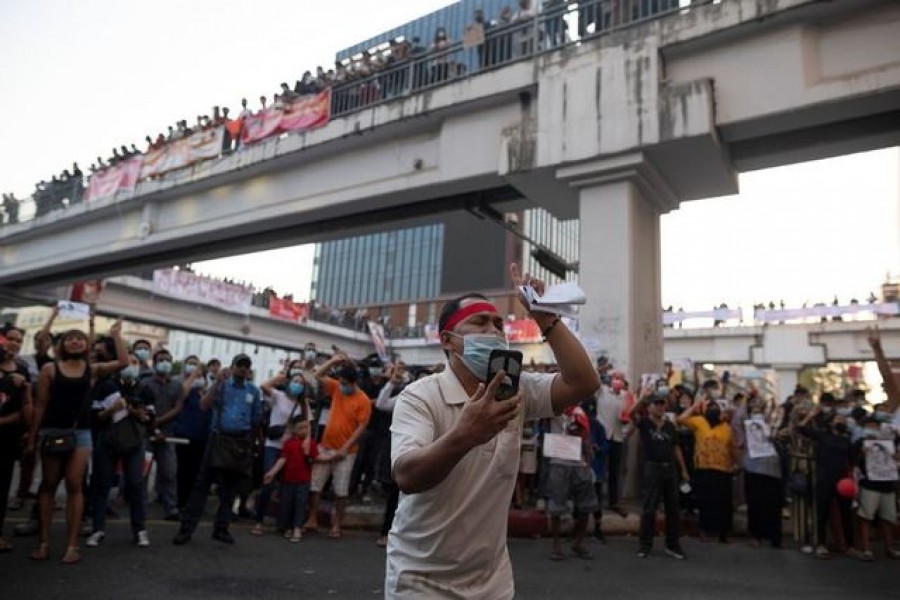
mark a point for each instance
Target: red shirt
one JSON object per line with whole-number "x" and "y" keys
{"x": 297, "y": 465}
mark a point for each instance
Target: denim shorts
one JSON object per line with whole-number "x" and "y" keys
{"x": 82, "y": 436}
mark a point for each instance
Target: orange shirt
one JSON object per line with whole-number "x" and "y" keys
{"x": 347, "y": 413}
{"x": 712, "y": 449}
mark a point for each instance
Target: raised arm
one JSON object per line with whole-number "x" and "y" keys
{"x": 577, "y": 379}
{"x": 891, "y": 383}
{"x": 107, "y": 368}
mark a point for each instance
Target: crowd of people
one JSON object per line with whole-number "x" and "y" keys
{"x": 385, "y": 71}
{"x": 328, "y": 418}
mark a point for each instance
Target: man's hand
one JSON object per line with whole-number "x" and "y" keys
{"x": 268, "y": 478}
{"x": 483, "y": 417}
{"x": 519, "y": 280}
{"x": 116, "y": 329}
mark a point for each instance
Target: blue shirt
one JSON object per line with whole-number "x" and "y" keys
{"x": 241, "y": 407}
{"x": 192, "y": 423}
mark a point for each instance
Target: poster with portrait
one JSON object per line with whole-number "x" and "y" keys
{"x": 758, "y": 443}
{"x": 880, "y": 462}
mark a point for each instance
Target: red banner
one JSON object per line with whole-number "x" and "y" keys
{"x": 287, "y": 310}
{"x": 522, "y": 330}
{"x": 300, "y": 115}
{"x": 115, "y": 179}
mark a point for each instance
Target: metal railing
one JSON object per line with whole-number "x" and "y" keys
{"x": 560, "y": 24}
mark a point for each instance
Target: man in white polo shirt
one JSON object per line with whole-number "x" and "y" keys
{"x": 455, "y": 454}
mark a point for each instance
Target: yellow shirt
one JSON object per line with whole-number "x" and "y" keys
{"x": 712, "y": 449}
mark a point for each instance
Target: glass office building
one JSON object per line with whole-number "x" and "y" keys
{"x": 462, "y": 253}
{"x": 379, "y": 268}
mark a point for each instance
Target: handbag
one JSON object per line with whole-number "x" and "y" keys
{"x": 61, "y": 443}
{"x": 229, "y": 452}
{"x": 276, "y": 432}
{"x": 124, "y": 436}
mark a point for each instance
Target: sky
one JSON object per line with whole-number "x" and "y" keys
{"x": 80, "y": 78}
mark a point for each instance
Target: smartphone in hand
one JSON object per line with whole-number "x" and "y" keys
{"x": 510, "y": 362}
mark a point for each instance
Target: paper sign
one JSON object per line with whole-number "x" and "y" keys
{"x": 880, "y": 463}
{"x": 566, "y": 447}
{"x": 73, "y": 310}
{"x": 474, "y": 35}
{"x": 758, "y": 443}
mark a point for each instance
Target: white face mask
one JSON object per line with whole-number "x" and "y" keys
{"x": 477, "y": 348}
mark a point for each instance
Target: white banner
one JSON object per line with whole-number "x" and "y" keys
{"x": 189, "y": 287}
{"x": 719, "y": 314}
{"x": 790, "y": 314}
{"x": 880, "y": 463}
{"x": 377, "y": 332}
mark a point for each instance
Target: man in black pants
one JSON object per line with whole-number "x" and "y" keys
{"x": 662, "y": 456}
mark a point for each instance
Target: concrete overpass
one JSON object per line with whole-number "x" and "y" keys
{"x": 617, "y": 129}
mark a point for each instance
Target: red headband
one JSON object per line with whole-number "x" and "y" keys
{"x": 464, "y": 313}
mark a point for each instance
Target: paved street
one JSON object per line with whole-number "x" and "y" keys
{"x": 353, "y": 567}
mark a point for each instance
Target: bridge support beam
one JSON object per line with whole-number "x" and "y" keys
{"x": 620, "y": 202}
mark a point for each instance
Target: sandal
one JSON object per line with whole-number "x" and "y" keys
{"x": 583, "y": 553}
{"x": 72, "y": 556}
{"x": 42, "y": 552}
{"x": 557, "y": 555}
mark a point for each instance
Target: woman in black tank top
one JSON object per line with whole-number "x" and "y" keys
{"x": 62, "y": 404}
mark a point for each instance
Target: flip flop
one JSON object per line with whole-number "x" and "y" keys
{"x": 583, "y": 553}
{"x": 72, "y": 556}
{"x": 42, "y": 552}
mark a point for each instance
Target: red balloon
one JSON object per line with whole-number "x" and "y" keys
{"x": 846, "y": 488}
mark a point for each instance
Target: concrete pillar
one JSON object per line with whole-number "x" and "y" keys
{"x": 619, "y": 271}
{"x": 620, "y": 201}
{"x": 786, "y": 377}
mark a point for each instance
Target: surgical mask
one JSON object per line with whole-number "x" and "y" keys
{"x": 163, "y": 367}
{"x": 662, "y": 391}
{"x": 882, "y": 416}
{"x": 844, "y": 411}
{"x": 295, "y": 389}
{"x": 346, "y": 389}
{"x": 142, "y": 354}
{"x": 310, "y": 355}
{"x": 871, "y": 434}
{"x": 757, "y": 417}
{"x": 130, "y": 372}
{"x": 198, "y": 383}
{"x": 188, "y": 369}
{"x": 295, "y": 372}
{"x": 477, "y": 348}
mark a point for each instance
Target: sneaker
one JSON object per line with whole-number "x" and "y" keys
{"x": 807, "y": 549}
{"x": 381, "y": 542}
{"x": 643, "y": 553}
{"x": 676, "y": 552}
{"x": 822, "y": 552}
{"x": 143, "y": 540}
{"x": 182, "y": 537}
{"x": 893, "y": 554}
{"x": 95, "y": 539}
{"x": 222, "y": 535}
{"x": 15, "y": 503}
{"x": 28, "y": 528}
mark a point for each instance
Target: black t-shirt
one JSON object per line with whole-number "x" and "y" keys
{"x": 12, "y": 399}
{"x": 832, "y": 453}
{"x": 659, "y": 443}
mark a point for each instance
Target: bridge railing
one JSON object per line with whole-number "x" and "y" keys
{"x": 559, "y": 25}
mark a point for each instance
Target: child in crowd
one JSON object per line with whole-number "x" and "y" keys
{"x": 297, "y": 456}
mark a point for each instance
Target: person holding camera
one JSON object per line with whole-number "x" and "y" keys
{"x": 455, "y": 451}
{"x": 237, "y": 412}
{"x": 663, "y": 463}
